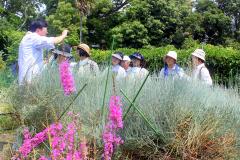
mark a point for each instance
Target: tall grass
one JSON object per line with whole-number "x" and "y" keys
{"x": 188, "y": 114}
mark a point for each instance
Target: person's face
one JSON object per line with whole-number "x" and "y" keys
{"x": 136, "y": 62}
{"x": 115, "y": 61}
{"x": 170, "y": 61}
{"x": 42, "y": 32}
{"x": 125, "y": 64}
{"x": 194, "y": 61}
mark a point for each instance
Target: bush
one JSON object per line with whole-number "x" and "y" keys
{"x": 189, "y": 115}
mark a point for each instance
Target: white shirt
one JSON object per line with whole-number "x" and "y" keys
{"x": 172, "y": 73}
{"x": 119, "y": 71}
{"x": 30, "y": 56}
{"x": 201, "y": 73}
{"x": 138, "y": 72}
{"x": 87, "y": 66}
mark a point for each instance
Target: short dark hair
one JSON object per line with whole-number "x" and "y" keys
{"x": 37, "y": 24}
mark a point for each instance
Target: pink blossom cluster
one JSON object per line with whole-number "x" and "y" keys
{"x": 62, "y": 143}
{"x": 110, "y": 138}
{"x": 66, "y": 77}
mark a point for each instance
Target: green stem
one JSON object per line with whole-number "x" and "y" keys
{"x": 140, "y": 112}
{"x": 72, "y": 101}
{"x": 106, "y": 82}
{"x": 124, "y": 117}
{"x": 144, "y": 117}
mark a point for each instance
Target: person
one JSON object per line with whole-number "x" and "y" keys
{"x": 61, "y": 54}
{"x": 85, "y": 65}
{"x": 138, "y": 62}
{"x": 200, "y": 71}
{"x": 30, "y": 56}
{"x": 171, "y": 69}
{"x": 126, "y": 64}
{"x": 117, "y": 57}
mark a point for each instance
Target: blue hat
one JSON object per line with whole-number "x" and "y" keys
{"x": 137, "y": 56}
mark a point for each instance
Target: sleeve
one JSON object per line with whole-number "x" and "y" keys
{"x": 42, "y": 42}
{"x": 205, "y": 76}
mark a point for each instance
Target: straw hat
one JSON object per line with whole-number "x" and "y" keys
{"x": 84, "y": 47}
{"x": 199, "y": 53}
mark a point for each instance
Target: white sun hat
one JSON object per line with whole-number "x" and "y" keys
{"x": 172, "y": 54}
{"x": 126, "y": 58}
{"x": 199, "y": 53}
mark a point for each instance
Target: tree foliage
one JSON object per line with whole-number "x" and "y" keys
{"x": 134, "y": 23}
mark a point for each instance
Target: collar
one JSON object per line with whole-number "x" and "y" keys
{"x": 83, "y": 62}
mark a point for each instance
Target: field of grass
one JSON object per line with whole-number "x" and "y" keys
{"x": 183, "y": 119}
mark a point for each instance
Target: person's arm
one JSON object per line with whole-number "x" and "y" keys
{"x": 48, "y": 42}
{"x": 59, "y": 39}
{"x": 205, "y": 76}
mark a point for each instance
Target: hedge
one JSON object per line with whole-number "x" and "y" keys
{"x": 223, "y": 63}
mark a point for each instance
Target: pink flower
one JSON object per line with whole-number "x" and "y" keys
{"x": 115, "y": 122}
{"x": 66, "y": 77}
{"x": 42, "y": 158}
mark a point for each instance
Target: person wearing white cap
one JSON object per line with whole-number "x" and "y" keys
{"x": 86, "y": 65}
{"x": 200, "y": 71}
{"x": 138, "y": 70}
{"x": 126, "y": 64}
{"x": 120, "y": 72}
{"x": 171, "y": 69}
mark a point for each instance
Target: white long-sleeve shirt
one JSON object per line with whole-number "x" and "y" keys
{"x": 30, "y": 56}
{"x": 119, "y": 71}
{"x": 137, "y": 72}
{"x": 201, "y": 73}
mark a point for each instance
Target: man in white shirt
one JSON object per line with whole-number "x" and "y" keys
{"x": 200, "y": 71}
{"x": 30, "y": 57}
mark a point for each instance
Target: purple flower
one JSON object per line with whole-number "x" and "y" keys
{"x": 66, "y": 77}
{"x": 115, "y": 122}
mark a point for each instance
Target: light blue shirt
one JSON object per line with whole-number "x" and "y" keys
{"x": 30, "y": 56}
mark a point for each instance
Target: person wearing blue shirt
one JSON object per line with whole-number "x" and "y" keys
{"x": 171, "y": 68}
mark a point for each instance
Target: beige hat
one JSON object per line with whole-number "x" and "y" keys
{"x": 199, "y": 53}
{"x": 172, "y": 54}
{"x": 84, "y": 47}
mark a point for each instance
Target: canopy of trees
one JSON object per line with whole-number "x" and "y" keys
{"x": 133, "y": 23}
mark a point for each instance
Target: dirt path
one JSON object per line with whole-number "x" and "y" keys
{"x": 6, "y": 140}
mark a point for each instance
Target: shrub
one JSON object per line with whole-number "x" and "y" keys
{"x": 166, "y": 105}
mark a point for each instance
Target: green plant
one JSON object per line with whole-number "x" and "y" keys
{"x": 165, "y": 104}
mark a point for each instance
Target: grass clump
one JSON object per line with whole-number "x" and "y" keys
{"x": 195, "y": 121}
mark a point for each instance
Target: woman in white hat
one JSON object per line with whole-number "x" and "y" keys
{"x": 171, "y": 69}
{"x": 120, "y": 72}
{"x": 138, "y": 62}
{"x": 86, "y": 65}
{"x": 126, "y": 64}
{"x": 200, "y": 71}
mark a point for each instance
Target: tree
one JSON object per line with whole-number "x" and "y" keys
{"x": 64, "y": 17}
{"x": 84, "y": 7}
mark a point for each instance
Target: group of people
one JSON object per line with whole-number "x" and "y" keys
{"x": 31, "y": 61}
